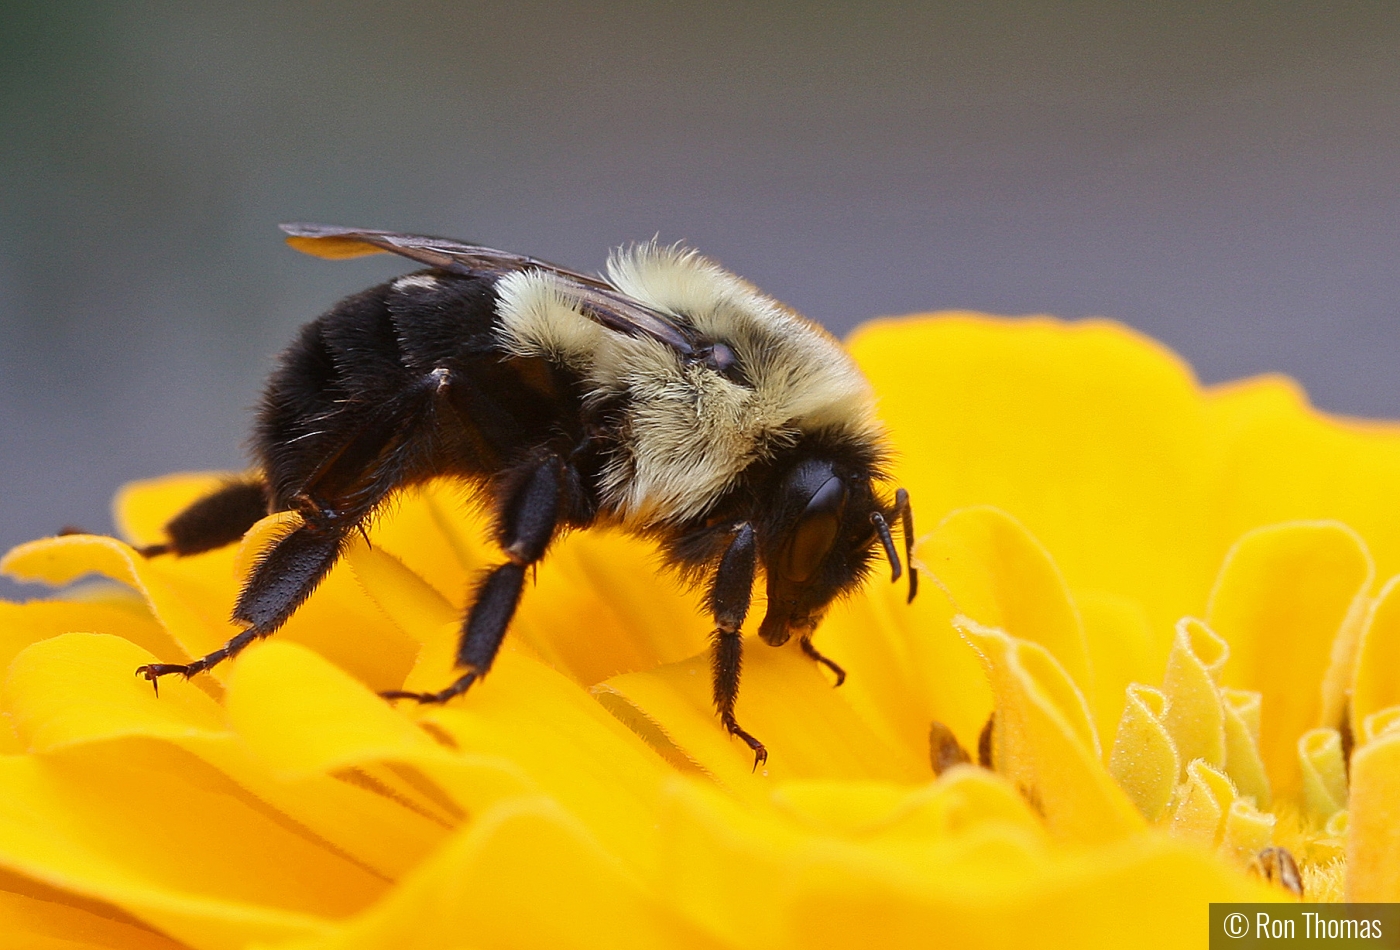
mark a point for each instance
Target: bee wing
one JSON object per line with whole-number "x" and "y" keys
{"x": 597, "y": 298}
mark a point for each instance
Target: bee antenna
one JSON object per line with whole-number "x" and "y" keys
{"x": 905, "y": 512}
{"x": 882, "y": 529}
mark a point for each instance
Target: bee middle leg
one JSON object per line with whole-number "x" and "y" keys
{"x": 527, "y": 523}
{"x": 729, "y": 602}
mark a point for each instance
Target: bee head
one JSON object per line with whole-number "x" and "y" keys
{"x": 817, "y": 546}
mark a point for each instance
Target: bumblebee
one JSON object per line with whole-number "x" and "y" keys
{"x": 670, "y": 398}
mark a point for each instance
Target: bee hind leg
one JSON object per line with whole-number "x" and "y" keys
{"x": 527, "y": 523}
{"x": 217, "y": 519}
{"x": 729, "y": 602}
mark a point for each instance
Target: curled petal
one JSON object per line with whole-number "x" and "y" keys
{"x": 1202, "y": 803}
{"x": 1379, "y": 723}
{"x": 1242, "y": 760}
{"x": 1324, "y": 773}
{"x": 1194, "y": 714}
{"x": 1247, "y": 831}
{"x": 1144, "y": 759}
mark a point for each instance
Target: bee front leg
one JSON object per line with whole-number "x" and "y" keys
{"x": 528, "y": 519}
{"x": 825, "y": 661}
{"x": 729, "y": 602}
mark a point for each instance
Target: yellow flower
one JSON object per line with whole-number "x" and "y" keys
{"x": 1176, "y": 602}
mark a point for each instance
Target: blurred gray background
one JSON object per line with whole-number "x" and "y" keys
{"x": 1223, "y": 176}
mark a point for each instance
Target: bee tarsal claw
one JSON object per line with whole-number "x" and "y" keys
{"x": 438, "y": 698}
{"x": 154, "y": 671}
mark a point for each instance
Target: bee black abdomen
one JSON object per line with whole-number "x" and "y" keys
{"x": 397, "y": 384}
{"x": 295, "y": 424}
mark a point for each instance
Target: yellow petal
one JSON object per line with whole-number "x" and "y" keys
{"x": 142, "y": 508}
{"x": 79, "y": 688}
{"x": 304, "y": 716}
{"x": 787, "y": 702}
{"x": 414, "y": 605}
{"x": 1377, "y": 681}
{"x": 1123, "y": 649}
{"x": 119, "y": 822}
{"x": 1089, "y": 434}
{"x": 906, "y": 665}
{"x": 996, "y": 573}
{"x": 1282, "y": 460}
{"x": 113, "y": 611}
{"x": 1287, "y": 597}
{"x": 1202, "y": 802}
{"x": 763, "y": 883}
{"x": 964, "y": 800}
{"x": 1373, "y": 827}
{"x": 1242, "y": 760}
{"x": 1044, "y": 741}
{"x": 597, "y": 606}
{"x": 183, "y": 609}
{"x": 433, "y": 530}
{"x": 110, "y": 610}
{"x": 526, "y": 874}
{"x": 35, "y": 917}
{"x": 1194, "y": 715}
{"x": 1144, "y": 894}
{"x": 600, "y": 608}
{"x": 1144, "y": 759}
{"x": 559, "y": 739}
{"x": 721, "y": 861}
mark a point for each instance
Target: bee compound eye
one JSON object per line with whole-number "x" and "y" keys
{"x": 816, "y": 531}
